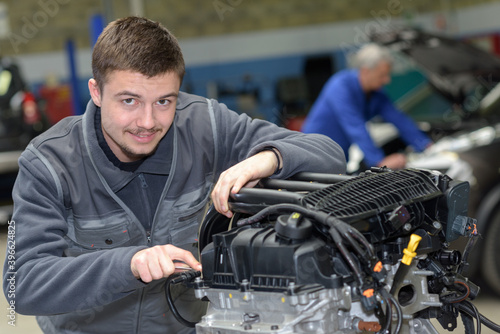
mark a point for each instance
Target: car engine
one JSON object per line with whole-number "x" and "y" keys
{"x": 324, "y": 253}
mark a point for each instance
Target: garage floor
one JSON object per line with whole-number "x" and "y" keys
{"x": 488, "y": 306}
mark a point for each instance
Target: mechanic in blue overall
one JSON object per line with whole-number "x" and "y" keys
{"x": 351, "y": 98}
{"x": 106, "y": 202}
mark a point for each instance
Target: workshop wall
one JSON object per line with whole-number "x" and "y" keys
{"x": 242, "y": 52}
{"x": 44, "y": 25}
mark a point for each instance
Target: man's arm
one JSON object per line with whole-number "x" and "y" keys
{"x": 245, "y": 157}
{"x": 407, "y": 128}
{"x": 244, "y": 174}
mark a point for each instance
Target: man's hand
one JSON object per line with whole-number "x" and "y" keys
{"x": 394, "y": 161}
{"x": 244, "y": 174}
{"x": 157, "y": 262}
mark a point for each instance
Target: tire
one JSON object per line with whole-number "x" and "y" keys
{"x": 490, "y": 264}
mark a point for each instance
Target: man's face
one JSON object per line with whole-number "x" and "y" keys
{"x": 378, "y": 76}
{"x": 136, "y": 111}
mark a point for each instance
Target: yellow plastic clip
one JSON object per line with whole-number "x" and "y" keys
{"x": 409, "y": 252}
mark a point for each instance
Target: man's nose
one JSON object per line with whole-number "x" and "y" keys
{"x": 146, "y": 119}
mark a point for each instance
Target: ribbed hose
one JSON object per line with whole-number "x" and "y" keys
{"x": 468, "y": 322}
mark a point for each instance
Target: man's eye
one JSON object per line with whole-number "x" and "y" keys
{"x": 129, "y": 101}
{"x": 163, "y": 102}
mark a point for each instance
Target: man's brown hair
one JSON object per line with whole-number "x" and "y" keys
{"x": 136, "y": 44}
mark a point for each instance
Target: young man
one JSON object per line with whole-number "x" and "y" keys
{"x": 106, "y": 202}
{"x": 353, "y": 97}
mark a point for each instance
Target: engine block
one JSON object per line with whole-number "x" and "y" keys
{"x": 371, "y": 253}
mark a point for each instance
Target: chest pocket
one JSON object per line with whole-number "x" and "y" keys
{"x": 184, "y": 231}
{"x": 109, "y": 231}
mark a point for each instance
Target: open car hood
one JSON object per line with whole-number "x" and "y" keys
{"x": 456, "y": 69}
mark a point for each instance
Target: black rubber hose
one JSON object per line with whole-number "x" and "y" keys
{"x": 399, "y": 312}
{"x": 171, "y": 304}
{"x": 477, "y": 316}
{"x": 284, "y": 208}
{"x": 388, "y": 316}
{"x": 354, "y": 243}
{"x": 345, "y": 253}
{"x": 361, "y": 238}
{"x": 460, "y": 286}
{"x": 355, "y": 238}
{"x": 470, "y": 309}
{"x": 391, "y": 301}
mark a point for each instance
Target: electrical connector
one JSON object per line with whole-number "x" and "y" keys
{"x": 185, "y": 276}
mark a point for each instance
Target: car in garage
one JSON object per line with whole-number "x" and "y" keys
{"x": 458, "y": 104}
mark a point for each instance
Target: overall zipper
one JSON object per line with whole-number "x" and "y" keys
{"x": 149, "y": 232}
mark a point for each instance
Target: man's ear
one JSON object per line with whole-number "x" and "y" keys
{"x": 95, "y": 92}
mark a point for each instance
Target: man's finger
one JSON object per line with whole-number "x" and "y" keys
{"x": 165, "y": 263}
{"x": 191, "y": 261}
{"x": 140, "y": 268}
{"x": 155, "y": 269}
{"x": 183, "y": 255}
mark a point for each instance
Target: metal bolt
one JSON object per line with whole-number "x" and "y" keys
{"x": 417, "y": 325}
